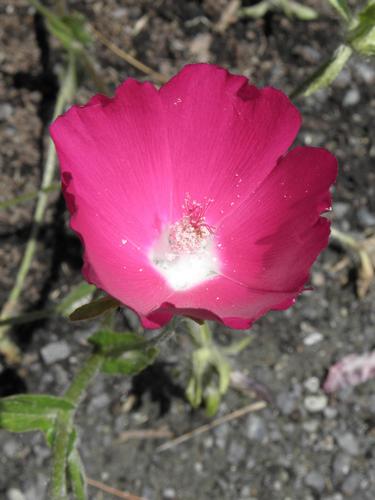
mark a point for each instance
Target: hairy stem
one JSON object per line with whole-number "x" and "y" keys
{"x": 64, "y": 426}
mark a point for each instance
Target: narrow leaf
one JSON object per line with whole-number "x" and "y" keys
{"x": 302, "y": 12}
{"x": 362, "y": 34}
{"x": 238, "y": 346}
{"x": 130, "y": 363}
{"x": 94, "y": 309}
{"x": 256, "y": 11}
{"x": 74, "y": 298}
{"x": 109, "y": 342}
{"x": 342, "y": 7}
{"x": 325, "y": 75}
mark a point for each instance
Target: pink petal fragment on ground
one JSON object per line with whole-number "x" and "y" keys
{"x": 352, "y": 370}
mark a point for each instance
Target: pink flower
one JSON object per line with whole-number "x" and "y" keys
{"x": 186, "y": 200}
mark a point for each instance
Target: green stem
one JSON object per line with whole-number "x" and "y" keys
{"x": 77, "y": 476}
{"x": 65, "y": 94}
{"x": 27, "y": 317}
{"x": 64, "y": 425}
{"x": 23, "y": 198}
{"x": 83, "y": 378}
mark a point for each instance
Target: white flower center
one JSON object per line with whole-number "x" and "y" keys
{"x": 184, "y": 253}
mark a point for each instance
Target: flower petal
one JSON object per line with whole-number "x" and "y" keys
{"x": 271, "y": 241}
{"x": 115, "y": 150}
{"x": 225, "y": 135}
{"x": 116, "y": 175}
{"x": 223, "y": 300}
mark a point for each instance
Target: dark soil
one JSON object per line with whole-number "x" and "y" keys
{"x": 286, "y": 451}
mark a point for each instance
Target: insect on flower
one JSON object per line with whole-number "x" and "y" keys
{"x": 187, "y": 200}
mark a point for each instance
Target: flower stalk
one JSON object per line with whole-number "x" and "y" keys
{"x": 66, "y": 92}
{"x": 64, "y": 428}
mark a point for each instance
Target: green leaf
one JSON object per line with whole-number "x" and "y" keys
{"x": 28, "y": 412}
{"x": 115, "y": 343}
{"x": 361, "y": 36}
{"x": 70, "y": 30}
{"x": 73, "y": 299}
{"x": 94, "y": 309}
{"x": 302, "y": 12}
{"x": 256, "y": 11}
{"x": 327, "y": 73}
{"x": 342, "y": 7}
{"x": 130, "y": 363}
{"x": 77, "y": 24}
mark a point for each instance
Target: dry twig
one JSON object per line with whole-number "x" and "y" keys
{"x": 259, "y": 405}
{"x": 158, "y": 77}
{"x": 112, "y": 491}
{"x": 145, "y": 434}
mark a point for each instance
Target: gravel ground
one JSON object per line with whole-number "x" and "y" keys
{"x": 303, "y": 445}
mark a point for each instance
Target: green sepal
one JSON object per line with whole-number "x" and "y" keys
{"x": 130, "y": 363}
{"x": 212, "y": 399}
{"x": 94, "y": 309}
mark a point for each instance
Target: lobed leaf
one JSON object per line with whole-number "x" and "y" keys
{"x": 29, "y": 412}
{"x": 115, "y": 343}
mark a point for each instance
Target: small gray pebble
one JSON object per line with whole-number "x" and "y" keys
{"x": 340, "y": 209}
{"x": 313, "y": 338}
{"x": 14, "y": 494}
{"x": 56, "y": 351}
{"x": 315, "y": 481}
{"x": 255, "y": 428}
{"x": 312, "y": 384}
{"x": 6, "y": 111}
{"x": 341, "y": 467}
{"x": 351, "y": 484}
{"x": 349, "y": 443}
{"x": 365, "y": 218}
{"x": 236, "y": 452}
{"x": 100, "y": 401}
{"x": 286, "y": 402}
{"x": 316, "y": 404}
{"x": 169, "y": 493}
{"x": 352, "y": 97}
